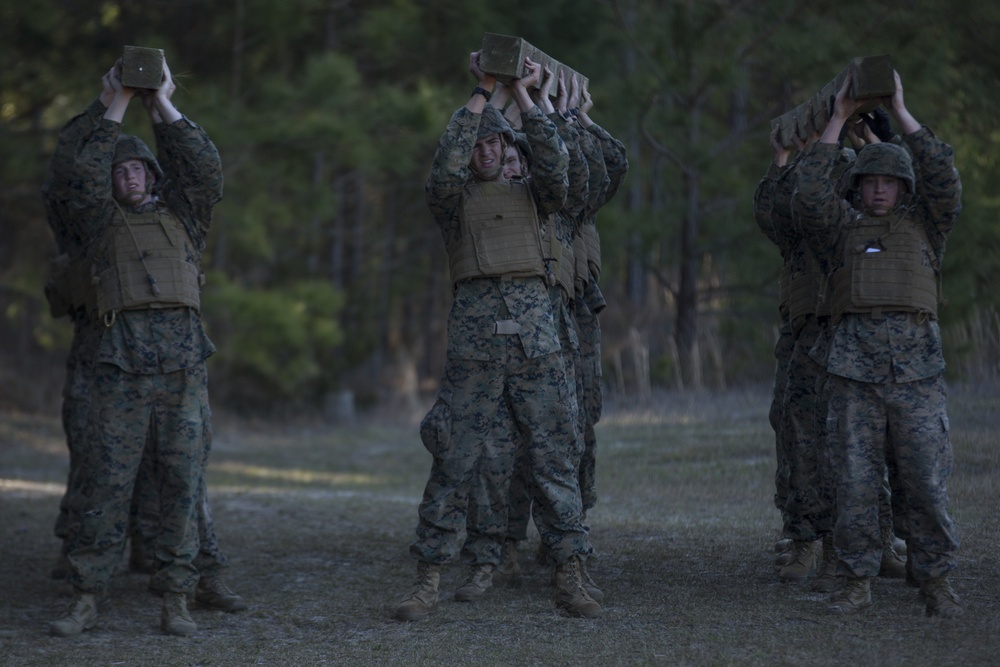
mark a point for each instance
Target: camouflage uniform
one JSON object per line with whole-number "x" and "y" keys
{"x": 765, "y": 215}
{"x": 886, "y": 369}
{"x": 608, "y": 167}
{"x": 81, "y": 366}
{"x": 486, "y": 369}
{"x": 563, "y": 226}
{"x": 149, "y": 381}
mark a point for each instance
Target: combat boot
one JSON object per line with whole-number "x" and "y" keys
{"x": 508, "y": 573}
{"x": 213, "y": 592}
{"x": 82, "y": 616}
{"x": 480, "y": 580}
{"x": 589, "y": 584}
{"x": 802, "y": 563}
{"x": 855, "y": 595}
{"x": 893, "y": 565}
{"x": 783, "y": 549}
{"x": 570, "y": 593}
{"x": 175, "y": 619}
{"x": 826, "y": 578}
{"x": 940, "y": 598}
{"x": 423, "y": 599}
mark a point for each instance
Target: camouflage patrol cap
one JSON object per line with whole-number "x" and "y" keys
{"x": 131, "y": 147}
{"x": 493, "y": 122}
{"x": 886, "y": 159}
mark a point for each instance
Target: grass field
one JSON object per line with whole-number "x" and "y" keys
{"x": 317, "y": 519}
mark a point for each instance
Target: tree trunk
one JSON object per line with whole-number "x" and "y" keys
{"x": 686, "y": 328}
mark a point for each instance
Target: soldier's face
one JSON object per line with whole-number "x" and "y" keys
{"x": 512, "y": 165}
{"x": 486, "y": 157}
{"x": 879, "y": 193}
{"x": 129, "y": 180}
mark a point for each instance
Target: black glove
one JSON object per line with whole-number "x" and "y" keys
{"x": 878, "y": 122}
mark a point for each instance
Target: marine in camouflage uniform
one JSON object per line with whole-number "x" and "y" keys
{"x": 608, "y": 165}
{"x": 149, "y": 383}
{"x": 503, "y": 348}
{"x": 558, "y": 233}
{"x": 764, "y": 215}
{"x": 808, "y": 509}
{"x": 885, "y": 360}
{"x": 69, "y": 295}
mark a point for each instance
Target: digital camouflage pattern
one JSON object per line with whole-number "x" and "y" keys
{"x": 146, "y": 359}
{"x": 563, "y": 225}
{"x": 809, "y": 502}
{"x": 886, "y": 390}
{"x": 777, "y": 186}
{"x": 81, "y": 361}
{"x": 487, "y": 370}
{"x": 608, "y": 166}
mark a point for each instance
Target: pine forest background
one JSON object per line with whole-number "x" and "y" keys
{"x": 327, "y": 275}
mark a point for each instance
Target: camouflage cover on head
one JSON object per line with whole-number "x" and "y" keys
{"x": 885, "y": 159}
{"x": 493, "y": 122}
{"x": 131, "y": 147}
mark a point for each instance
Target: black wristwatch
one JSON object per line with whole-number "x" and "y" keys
{"x": 482, "y": 91}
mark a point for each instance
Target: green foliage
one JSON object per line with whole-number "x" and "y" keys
{"x": 274, "y": 346}
{"x": 327, "y": 114}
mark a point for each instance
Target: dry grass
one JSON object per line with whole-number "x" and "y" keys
{"x": 317, "y": 521}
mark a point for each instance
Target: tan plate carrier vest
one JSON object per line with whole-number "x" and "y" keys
{"x": 499, "y": 233}
{"x": 148, "y": 267}
{"x": 888, "y": 266}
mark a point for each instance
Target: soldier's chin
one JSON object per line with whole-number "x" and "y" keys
{"x": 132, "y": 198}
{"x": 488, "y": 174}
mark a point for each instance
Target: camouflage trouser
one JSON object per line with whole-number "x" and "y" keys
{"x": 521, "y": 493}
{"x": 776, "y": 415}
{"x": 455, "y": 433}
{"x": 127, "y": 411}
{"x": 75, "y": 411}
{"x": 144, "y": 513}
{"x": 907, "y": 423}
{"x": 590, "y": 397}
{"x": 808, "y": 511}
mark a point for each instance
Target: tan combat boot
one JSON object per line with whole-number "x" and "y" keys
{"x": 175, "y": 619}
{"x": 213, "y": 592}
{"x": 855, "y": 595}
{"x": 783, "y": 549}
{"x": 480, "y": 580}
{"x": 589, "y": 584}
{"x": 570, "y": 593}
{"x": 802, "y": 563}
{"x": 893, "y": 565}
{"x": 423, "y": 599}
{"x": 82, "y": 616}
{"x": 508, "y": 573}
{"x": 826, "y": 578}
{"x": 940, "y": 598}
